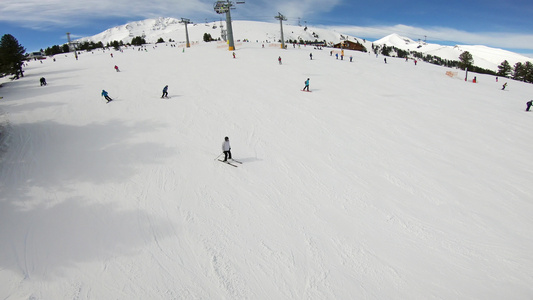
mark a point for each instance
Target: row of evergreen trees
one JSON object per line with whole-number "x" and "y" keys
{"x": 56, "y": 49}
{"x": 11, "y": 56}
{"x": 465, "y": 60}
{"x": 520, "y": 71}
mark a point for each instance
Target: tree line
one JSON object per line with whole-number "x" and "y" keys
{"x": 88, "y": 46}
{"x": 520, "y": 71}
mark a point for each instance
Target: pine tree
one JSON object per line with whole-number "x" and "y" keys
{"x": 519, "y": 72}
{"x": 528, "y": 72}
{"x": 504, "y": 69}
{"x": 207, "y": 37}
{"x": 138, "y": 41}
{"x": 11, "y": 56}
{"x": 466, "y": 60}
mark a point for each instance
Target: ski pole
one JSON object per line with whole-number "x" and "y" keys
{"x": 218, "y": 156}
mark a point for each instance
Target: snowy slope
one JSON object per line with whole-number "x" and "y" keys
{"x": 484, "y": 57}
{"x": 170, "y": 28}
{"x": 388, "y": 181}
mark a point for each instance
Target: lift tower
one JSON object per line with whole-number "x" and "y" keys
{"x": 224, "y": 7}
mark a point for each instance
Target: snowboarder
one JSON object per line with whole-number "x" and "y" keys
{"x": 116, "y": 68}
{"x": 306, "y": 85}
{"x": 165, "y": 92}
{"x": 279, "y": 60}
{"x": 226, "y": 148}
{"x": 43, "y": 81}
{"x": 106, "y": 96}
{"x": 504, "y": 86}
{"x": 529, "y": 104}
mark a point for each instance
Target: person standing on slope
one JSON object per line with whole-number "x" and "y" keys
{"x": 106, "y": 96}
{"x": 306, "y": 85}
{"x": 226, "y": 148}
{"x": 165, "y": 92}
{"x": 279, "y": 60}
{"x": 529, "y": 104}
{"x": 116, "y": 68}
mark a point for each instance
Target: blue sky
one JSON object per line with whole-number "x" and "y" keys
{"x": 501, "y": 24}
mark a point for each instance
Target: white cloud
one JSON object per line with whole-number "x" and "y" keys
{"x": 443, "y": 35}
{"x": 54, "y": 13}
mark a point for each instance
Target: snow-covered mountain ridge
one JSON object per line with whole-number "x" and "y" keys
{"x": 171, "y": 28}
{"x": 484, "y": 57}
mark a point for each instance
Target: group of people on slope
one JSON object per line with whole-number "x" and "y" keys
{"x": 105, "y": 94}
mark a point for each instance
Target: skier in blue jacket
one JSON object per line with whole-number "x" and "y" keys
{"x": 306, "y": 85}
{"x": 165, "y": 92}
{"x": 106, "y": 96}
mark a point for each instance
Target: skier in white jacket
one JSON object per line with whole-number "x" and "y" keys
{"x": 226, "y": 148}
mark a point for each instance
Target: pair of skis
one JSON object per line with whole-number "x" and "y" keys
{"x": 230, "y": 163}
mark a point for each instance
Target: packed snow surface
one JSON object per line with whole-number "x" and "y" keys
{"x": 387, "y": 181}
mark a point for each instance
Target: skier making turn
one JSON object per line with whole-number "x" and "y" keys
{"x": 106, "y": 96}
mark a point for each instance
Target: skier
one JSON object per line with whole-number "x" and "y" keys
{"x": 116, "y": 68}
{"x": 385, "y": 59}
{"x": 529, "y": 104}
{"x": 233, "y": 54}
{"x": 165, "y": 92}
{"x": 504, "y": 86}
{"x": 43, "y": 81}
{"x": 226, "y": 148}
{"x": 279, "y": 60}
{"x": 311, "y": 56}
{"x": 306, "y": 85}
{"x": 106, "y": 96}
{"x": 474, "y": 80}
